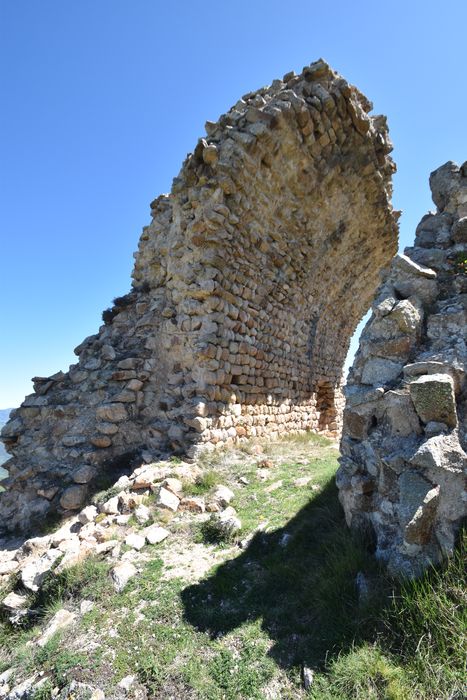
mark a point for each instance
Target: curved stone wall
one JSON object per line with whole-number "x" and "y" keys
{"x": 403, "y": 468}
{"x": 247, "y": 287}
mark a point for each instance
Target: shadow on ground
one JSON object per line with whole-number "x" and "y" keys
{"x": 300, "y": 581}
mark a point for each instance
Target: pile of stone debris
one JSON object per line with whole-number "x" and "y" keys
{"x": 117, "y": 529}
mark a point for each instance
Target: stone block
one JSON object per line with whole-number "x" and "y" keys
{"x": 434, "y": 399}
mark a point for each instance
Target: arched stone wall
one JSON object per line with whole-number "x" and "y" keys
{"x": 247, "y": 287}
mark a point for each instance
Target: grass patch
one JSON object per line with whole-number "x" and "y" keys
{"x": 203, "y": 484}
{"x": 88, "y": 579}
{"x": 214, "y": 531}
{"x": 55, "y": 659}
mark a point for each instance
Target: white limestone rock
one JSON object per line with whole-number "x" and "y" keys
{"x": 121, "y": 573}
{"x": 155, "y": 534}
{"x": 60, "y": 621}
{"x": 167, "y": 499}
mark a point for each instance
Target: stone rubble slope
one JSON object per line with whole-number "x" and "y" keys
{"x": 403, "y": 468}
{"x": 117, "y": 529}
{"x": 247, "y": 286}
{"x": 126, "y": 518}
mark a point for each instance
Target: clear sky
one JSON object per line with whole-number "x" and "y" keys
{"x": 102, "y": 99}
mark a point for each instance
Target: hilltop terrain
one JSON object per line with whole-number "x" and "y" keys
{"x": 230, "y": 578}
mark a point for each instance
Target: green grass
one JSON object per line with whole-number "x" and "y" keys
{"x": 287, "y": 599}
{"x": 57, "y": 661}
{"x": 203, "y": 484}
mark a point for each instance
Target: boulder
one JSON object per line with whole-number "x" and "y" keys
{"x": 73, "y": 497}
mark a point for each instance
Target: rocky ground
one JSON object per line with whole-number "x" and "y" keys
{"x": 230, "y": 577}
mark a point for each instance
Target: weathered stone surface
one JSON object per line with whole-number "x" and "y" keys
{"x": 60, "y": 621}
{"x": 87, "y": 515}
{"x": 135, "y": 541}
{"x": 8, "y": 567}
{"x": 36, "y": 569}
{"x": 167, "y": 499}
{"x": 73, "y": 497}
{"x": 418, "y": 529}
{"x": 121, "y": 573}
{"x": 15, "y": 605}
{"x": 434, "y": 399}
{"x": 403, "y": 469}
{"x": 114, "y": 413}
{"x": 195, "y": 504}
{"x": 156, "y": 534}
{"x": 223, "y": 495}
{"x": 378, "y": 371}
{"x": 84, "y": 474}
{"x": 247, "y": 286}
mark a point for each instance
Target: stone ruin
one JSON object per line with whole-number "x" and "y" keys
{"x": 247, "y": 286}
{"x": 403, "y": 468}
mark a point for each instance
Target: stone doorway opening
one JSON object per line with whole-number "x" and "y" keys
{"x": 326, "y": 409}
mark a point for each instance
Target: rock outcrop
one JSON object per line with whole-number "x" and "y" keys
{"x": 404, "y": 467}
{"x": 247, "y": 287}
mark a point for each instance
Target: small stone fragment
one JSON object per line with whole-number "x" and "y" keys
{"x": 195, "y": 504}
{"x": 223, "y": 495}
{"x": 266, "y": 464}
{"x": 15, "y": 606}
{"x": 308, "y": 677}
{"x": 84, "y": 474}
{"x": 173, "y": 485}
{"x": 35, "y": 570}
{"x": 122, "y": 573}
{"x": 167, "y": 499}
{"x": 86, "y": 606}
{"x": 156, "y": 534}
{"x": 135, "y": 541}
{"x": 142, "y": 514}
{"x": 127, "y": 682}
{"x": 60, "y": 621}
{"x": 111, "y": 507}
{"x": 87, "y": 515}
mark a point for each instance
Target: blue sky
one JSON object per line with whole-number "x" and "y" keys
{"x": 102, "y": 99}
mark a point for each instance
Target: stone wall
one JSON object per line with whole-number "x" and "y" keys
{"x": 247, "y": 286}
{"x": 404, "y": 466}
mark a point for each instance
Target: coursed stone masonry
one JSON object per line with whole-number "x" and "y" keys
{"x": 247, "y": 286}
{"x": 403, "y": 469}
